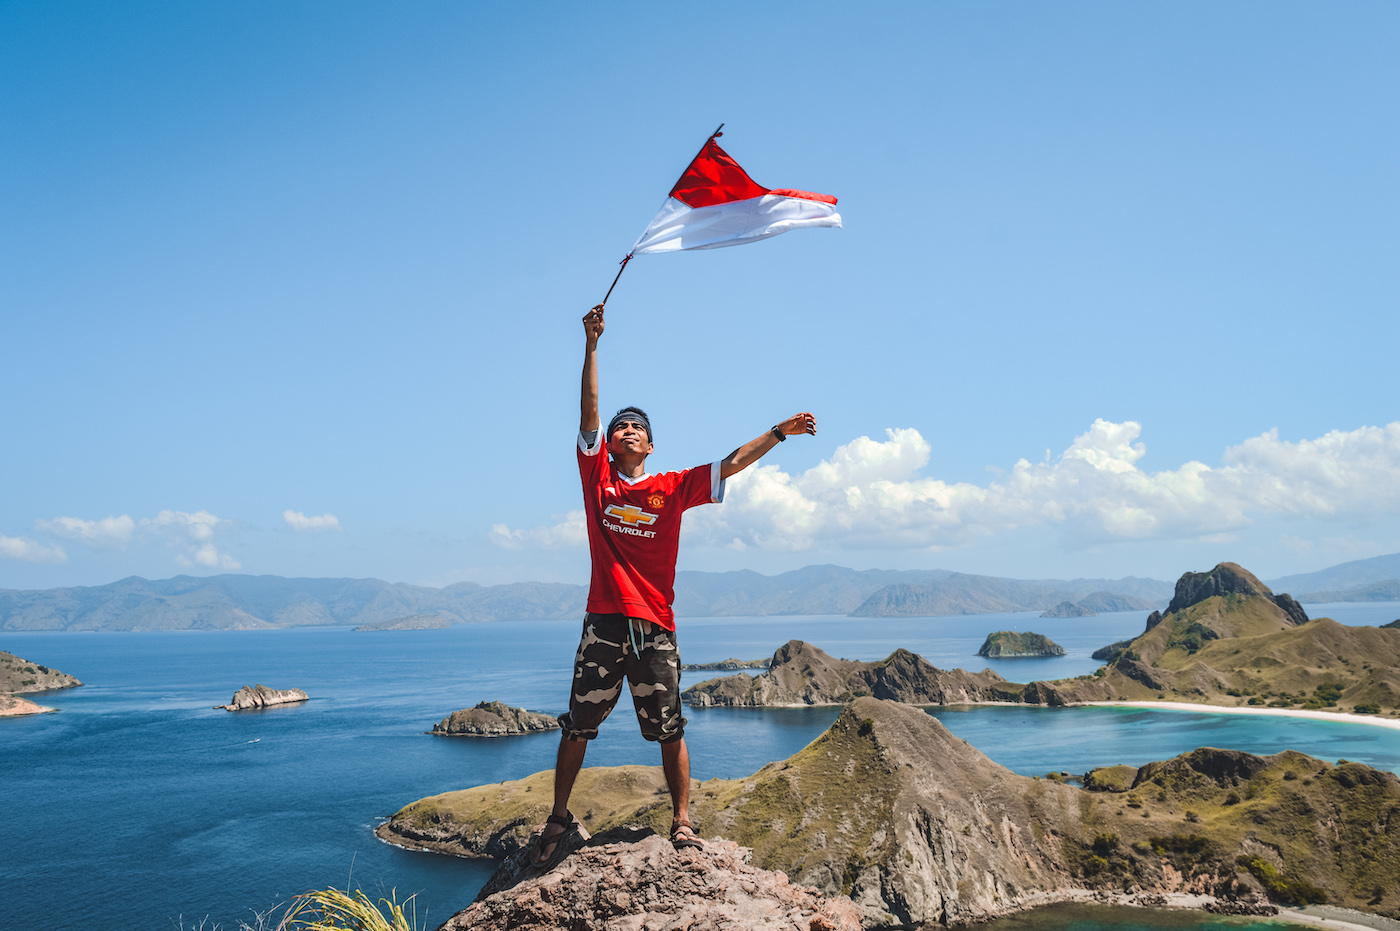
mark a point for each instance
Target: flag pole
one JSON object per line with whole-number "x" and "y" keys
{"x": 628, "y": 257}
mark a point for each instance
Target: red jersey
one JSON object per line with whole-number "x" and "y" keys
{"x": 634, "y": 530}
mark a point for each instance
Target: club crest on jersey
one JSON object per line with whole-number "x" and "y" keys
{"x": 657, "y": 500}
{"x": 630, "y": 514}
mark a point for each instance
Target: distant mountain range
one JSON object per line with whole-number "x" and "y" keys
{"x": 241, "y": 602}
{"x": 245, "y": 602}
{"x": 1346, "y": 578}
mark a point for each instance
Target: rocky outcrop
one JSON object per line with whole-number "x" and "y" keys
{"x": 1111, "y": 652}
{"x": 728, "y": 665}
{"x": 12, "y": 706}
{"x": 916, "y": 827}
{"x": 1011, "y": 644}
{"x": 1229, "y": 579}
{"x": 1069, "y": 609}
{"x": 259, "y": 696}
{"x": 633, "y": 878}
{"x": 21, "y": 676}
{"x": 801, "y": 674}
{"x": 494, "y": 719}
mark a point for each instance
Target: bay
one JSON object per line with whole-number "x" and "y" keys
{"x": 140, "y": 806}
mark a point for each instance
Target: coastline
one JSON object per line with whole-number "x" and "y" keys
{"x": 1337, "y": 716}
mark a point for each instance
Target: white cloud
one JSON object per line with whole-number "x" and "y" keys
{"x": 192, "y": 532}
{"x": 28, "y": 550}
{"x": 109, "y": 532}
{"x": 301, "y": 523}
{"x": 568, "y": 531}
{"x": 209, "y": 556}
{"x": 870, "y": 494}
{"x": 197, "y": 526}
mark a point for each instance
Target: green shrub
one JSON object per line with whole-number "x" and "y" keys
{"x": 1280, "y": 889}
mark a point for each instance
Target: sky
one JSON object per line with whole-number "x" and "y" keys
{"x": 295, "y": 288}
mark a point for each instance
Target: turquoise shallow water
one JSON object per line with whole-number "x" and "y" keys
{"x": 139, "y": 806}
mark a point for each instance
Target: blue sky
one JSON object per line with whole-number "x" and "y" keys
{"x": 295, "y": 288}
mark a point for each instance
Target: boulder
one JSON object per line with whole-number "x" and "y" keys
{"x": 633, "y": 878}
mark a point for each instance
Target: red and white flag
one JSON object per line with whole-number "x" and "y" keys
{"x": 716, "y": 203}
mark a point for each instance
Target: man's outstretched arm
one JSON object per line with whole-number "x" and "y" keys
{"x": 753, "y": 450}
{"x": 588, "y": 396}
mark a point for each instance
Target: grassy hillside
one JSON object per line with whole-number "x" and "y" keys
{"x": 1244, "y": 648}
{"x": 917, "y": 826}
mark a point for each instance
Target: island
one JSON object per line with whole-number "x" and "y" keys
{"x": 257, "y": 697}
{"x": 1069, "y": 609}
{"x": 494, "y": 719}
{"x": 1011, "y": 644}
{"x": 728, "y": 665}
{"x": 802, "y": 674}
{"x": 410, "y": 622}
{"x": 916, "y": 827}
{"x": 21, "y": 676}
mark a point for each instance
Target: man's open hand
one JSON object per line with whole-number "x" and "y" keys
{"x": 593, "y": 323}
{"x": 799, "y": 423}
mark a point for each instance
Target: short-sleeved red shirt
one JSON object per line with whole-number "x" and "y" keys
{"x": 634, "y": 531}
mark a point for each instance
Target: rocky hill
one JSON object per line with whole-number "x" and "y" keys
{"x": 801, "y": 674}
{"x": 1226, "y": 639}
{"x": 916, "y": 827}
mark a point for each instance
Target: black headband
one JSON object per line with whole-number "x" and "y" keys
{"x": 636, "y": 415}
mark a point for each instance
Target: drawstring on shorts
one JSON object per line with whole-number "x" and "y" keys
{"x": 632, "y": 636}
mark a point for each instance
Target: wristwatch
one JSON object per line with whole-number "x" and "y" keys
{"x": 778, "y": 433}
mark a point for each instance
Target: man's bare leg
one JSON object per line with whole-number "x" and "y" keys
{"x": 566, "y": 766}
{"x": 675, "y": 762}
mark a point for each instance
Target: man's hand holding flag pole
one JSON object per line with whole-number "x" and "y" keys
{"x": 715, "y": 203}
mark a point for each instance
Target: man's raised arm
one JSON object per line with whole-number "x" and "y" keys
{"x": 588, "y": 396}
{"x": 754, "y": 449}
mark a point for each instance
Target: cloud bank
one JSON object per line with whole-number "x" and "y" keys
{"x": 870, "y": 494}
{"x": 192, "y": 533}
{"x": 303, "y": 524}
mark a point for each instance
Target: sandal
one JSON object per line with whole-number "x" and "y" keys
{"x": 570, "y": 831}
{"x": 683, "y": 835}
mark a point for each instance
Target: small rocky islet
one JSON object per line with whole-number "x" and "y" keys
{"x": 1011, "y": 644}
{"x": 258, "y": 697}
{"x": 494, "y": 719}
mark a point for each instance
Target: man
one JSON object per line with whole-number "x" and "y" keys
{"x": 634, "y": 522}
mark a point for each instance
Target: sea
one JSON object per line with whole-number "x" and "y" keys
{"x": 140, "y": 806}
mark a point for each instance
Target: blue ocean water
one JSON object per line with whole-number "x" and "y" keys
{"x": 140, "y": 806}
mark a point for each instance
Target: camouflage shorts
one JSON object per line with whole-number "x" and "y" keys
{"x": 605, "y": 657}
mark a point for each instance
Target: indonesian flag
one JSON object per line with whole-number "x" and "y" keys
{"x": 716, "y": 203}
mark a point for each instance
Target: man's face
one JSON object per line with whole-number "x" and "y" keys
{"x": 629, "y": 436}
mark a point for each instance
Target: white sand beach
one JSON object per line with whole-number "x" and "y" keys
{"x": 1339, "y": 717}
